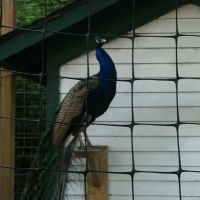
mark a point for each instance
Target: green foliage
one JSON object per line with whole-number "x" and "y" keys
{"x": 31, "y": 10}
{"x": 30, "y": 101}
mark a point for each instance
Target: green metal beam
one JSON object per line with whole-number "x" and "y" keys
{"x": 20, "y": 40}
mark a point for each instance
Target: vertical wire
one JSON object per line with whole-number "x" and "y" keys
{"x": 40, "y": 121}
{"x": 86, "y": 100}
{"x": 179, "y": 160}
{"x": 132, "y": 149}
{"x": 177, "y": 104}
{"x": 24, "y": 117}
{"x": 18, "y": 171}
{"x": 18, "y": 174}
{"x": 43, "y": 61}
{"x": 132, "y": 105}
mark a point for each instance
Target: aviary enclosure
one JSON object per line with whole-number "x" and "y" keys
{"x": 150, "y": 132}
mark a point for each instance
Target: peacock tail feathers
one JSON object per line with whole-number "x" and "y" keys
{"x": 44, "y": 167}
{"x": 44, "y": 178}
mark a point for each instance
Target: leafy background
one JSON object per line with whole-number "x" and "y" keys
{"x": 31, "y": 10}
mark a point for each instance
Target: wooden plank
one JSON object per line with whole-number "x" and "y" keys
{"x": 97, "y": 182}
{"x": 141, "y": 56}
{"x": 165, "y": 86}
{"x": 154, "y": 100}
{"x": 167, "y": 186}
{"x": 121, "y": 188}
{"x": 146, "y": 70}
{"x": 139, "y": 131}
{"x": 159, "y": 159}
{"x": 156, "y": 115}
{"x": 145, "y": 42}
{"x": 142, "y": 70}
{"x": 144, "y": 86}
{"x": 152, "y": 161}
{"x": 158, "y": 27}
{"x": 149, "y": 114}
{"x": 152, "y": 144}
{"x": 7, "y": 138}
{"x": 148, "y": 42}
{"x": 9, "y": 15}
{"x": 188, "y": 130}
{"x": 7, "y": 126}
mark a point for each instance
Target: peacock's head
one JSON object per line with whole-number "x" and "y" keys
{"x": 99, "y": 41}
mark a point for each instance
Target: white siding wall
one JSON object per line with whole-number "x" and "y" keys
{"x": 155, "y": 147}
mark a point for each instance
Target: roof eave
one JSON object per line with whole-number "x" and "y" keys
{"x": 22, "y": 50}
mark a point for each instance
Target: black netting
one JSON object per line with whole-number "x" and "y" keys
{"x": 30, "y": 119}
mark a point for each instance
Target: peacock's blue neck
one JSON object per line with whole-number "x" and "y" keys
{"x": 107, "y": 67}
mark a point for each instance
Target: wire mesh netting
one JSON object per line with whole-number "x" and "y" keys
{"x": 161, "y": 159}
{"x": 27, "y": 132}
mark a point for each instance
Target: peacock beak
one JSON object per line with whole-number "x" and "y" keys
{"x": 103, "y": 41}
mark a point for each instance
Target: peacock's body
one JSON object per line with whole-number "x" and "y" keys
{"x": 55, "y": 150}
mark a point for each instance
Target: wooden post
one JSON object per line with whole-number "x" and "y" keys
{"x": 9, "y": 15}
{"x": 7, "y": 127}
{"x": 97, "y": 182}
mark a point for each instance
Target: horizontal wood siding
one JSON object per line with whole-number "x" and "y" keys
{"x": 155, "y": 147}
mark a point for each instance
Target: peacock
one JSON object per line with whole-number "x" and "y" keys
{"x": 87, "y": 100}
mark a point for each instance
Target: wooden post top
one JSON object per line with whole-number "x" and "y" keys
{"x": 97, "y": 181}
{"x": 92, "y": 152}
